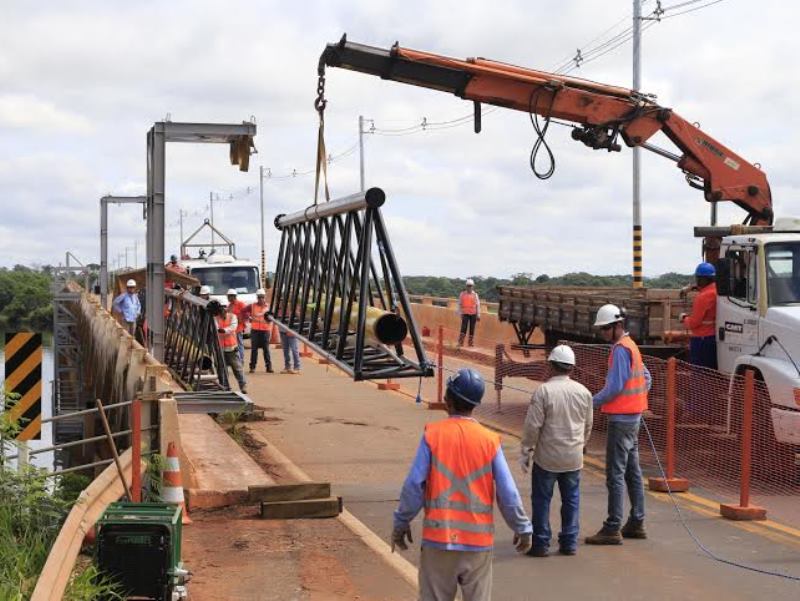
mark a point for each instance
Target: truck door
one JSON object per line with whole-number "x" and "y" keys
{"x": 737, "y": 309}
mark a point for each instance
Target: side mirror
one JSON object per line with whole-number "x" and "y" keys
{"x": 724, "y": 274}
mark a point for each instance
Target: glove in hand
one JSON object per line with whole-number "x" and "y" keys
{"x": 523, "y": 542}
{"x": 399, "y": 535}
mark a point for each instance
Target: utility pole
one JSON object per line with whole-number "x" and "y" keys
{"x": 261, "y": 201}
{"x": 136, "y": 253}
{"x": 361, "y": 148}
{"x": 211, "y": 210}
{"x": 637, "y": 203}
{"x": 180, "y": 213}
{"x": 126, "y": 257}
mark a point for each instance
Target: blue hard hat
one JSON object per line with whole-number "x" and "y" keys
{"x": 706, "y": 270}
{"x": 467, "y": 385}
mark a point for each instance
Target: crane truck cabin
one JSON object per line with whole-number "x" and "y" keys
{"x": 758, "y": 275}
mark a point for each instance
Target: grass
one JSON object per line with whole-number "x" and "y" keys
{"x": 33, "y": 508}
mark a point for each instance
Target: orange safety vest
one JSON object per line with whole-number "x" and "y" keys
{"x": 633, "y": 398}
{"x": 227, "y": 341}
{"x": 703, "y": 319}
{"x": 459, "y": 493}
{"x": 469, "y": 303}
{"x": 258, "y": 317}
{"x": 238, "y": 307}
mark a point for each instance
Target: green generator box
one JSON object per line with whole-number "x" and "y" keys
{"x": 139, "y": 547}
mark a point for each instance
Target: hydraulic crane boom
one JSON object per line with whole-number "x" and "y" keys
{"x": 602, "y": 112}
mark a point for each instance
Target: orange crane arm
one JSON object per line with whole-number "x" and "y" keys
{"x": 602, "y": 113}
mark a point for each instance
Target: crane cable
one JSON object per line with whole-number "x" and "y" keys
{"x": 541, "y": 131}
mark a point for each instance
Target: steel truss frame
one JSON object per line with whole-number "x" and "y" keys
{"x": 325, "y": 256}
{"x": 191, "y": 343}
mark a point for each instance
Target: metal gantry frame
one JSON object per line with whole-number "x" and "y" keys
{"x": 104, "y": 202}
{"x": 327, "y": 283}
{"x": 226, "y": 243}
{"x": 240, "y": 139}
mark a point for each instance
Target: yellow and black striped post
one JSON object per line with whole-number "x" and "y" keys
{"x": 24, "y": 381}
{"x": 638, "y": 281}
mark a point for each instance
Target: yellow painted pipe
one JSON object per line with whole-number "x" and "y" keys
{"x": 381, "y": 326}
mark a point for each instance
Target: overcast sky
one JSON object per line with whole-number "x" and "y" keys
{"x": 83, "y": 81}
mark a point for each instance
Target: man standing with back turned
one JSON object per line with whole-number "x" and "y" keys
{"x": 458, "y": 469}
{"x": 623, "y": 399}
{"x": 557, "y": 427}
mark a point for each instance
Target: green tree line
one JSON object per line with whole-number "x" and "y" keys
{"x": 487, "y": 286}
{"x": 26, "y": 300}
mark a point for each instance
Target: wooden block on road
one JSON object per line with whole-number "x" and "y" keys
{"x": 329, "y": 507}
{"x": 290, "y": 492}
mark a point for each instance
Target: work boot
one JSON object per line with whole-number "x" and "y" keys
{"x": 270, "y": 370}
{"x": 538, "y": 552}
{"x": 605, "y": 537}
{"x": 567, "y": 551}
{"x": 461, "y": 341}
{"x": 252, "y": 370}
{"x": 634, "y": 529}
{"x": 471, "y": 341}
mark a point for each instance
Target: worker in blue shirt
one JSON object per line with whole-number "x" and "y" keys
{"x": 622, "y": 399}
{"x": 458, "y": 471}
{"x": 127, "y": 307}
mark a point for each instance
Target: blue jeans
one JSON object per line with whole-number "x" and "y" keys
{"x": 703, "y": 351}
{"x": 622, "y": 470}
{"x": 240, "y": 346}
{"x": 569, "y": 486}
{"x": 289, "y": 344}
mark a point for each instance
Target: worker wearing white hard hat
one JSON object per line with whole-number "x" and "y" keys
{"x": 260, "y": 330}
{"x": 622, "y": 399}
{"x": 127, "y": 307}
{"x": 227, "y": 324}
{"x": 237, "y": 307}
{"x": 469, "y": 308}
{"x": 205, "y": 292}
{"x": 557, "y": 427}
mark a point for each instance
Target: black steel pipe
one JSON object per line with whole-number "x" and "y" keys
{"x": 372, "y": 198}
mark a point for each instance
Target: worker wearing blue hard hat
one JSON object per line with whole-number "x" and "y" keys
{"x": 458, "y": 470}
{"x": 701, "y": 322}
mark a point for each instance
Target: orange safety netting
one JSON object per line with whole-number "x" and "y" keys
{"x": 706, "y": 433}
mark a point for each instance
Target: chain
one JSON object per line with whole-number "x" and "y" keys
{"x": 319, "y": 104}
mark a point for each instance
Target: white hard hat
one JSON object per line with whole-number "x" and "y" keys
{"x": 562, "y": 354}
{"x": 608, "y": 314}
{"x": 205, "y": 290}
{"x": 470, "y": 282}
{"x": 261, "y": 292}
{"x": 131, "y": 283}
{"x": 231, "y": 292}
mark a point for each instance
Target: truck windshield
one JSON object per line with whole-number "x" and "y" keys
{"x": 242, "y": 279}
{"x": 783, "y": 273}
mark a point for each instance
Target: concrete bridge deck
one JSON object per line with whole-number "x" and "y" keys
{"x": 362, "y": 440}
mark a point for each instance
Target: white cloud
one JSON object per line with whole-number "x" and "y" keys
{"x": 77, "y": 104}
{"x": 24, "y": 111}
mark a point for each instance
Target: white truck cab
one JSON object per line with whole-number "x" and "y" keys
{"x": 223, "y": 272}
{"x": 758, "y": 316}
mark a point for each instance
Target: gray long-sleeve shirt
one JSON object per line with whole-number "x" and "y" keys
{"x": 558, "y": 424}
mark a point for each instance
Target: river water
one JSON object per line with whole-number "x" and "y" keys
{"x": 44, "y": 460}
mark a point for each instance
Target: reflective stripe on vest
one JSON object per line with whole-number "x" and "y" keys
{"x": 460, "y": 491}
{"x": 633, "y": 398}
{"x": 258, "y": 320}
{"x": 227, "y": 341}
{"x": 469, "y": 303}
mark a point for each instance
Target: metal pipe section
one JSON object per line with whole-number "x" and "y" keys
{"x": 372, "y": 198}
{"x": 381, "y": 326}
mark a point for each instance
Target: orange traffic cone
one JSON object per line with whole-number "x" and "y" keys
{"x": 172, "y": 483}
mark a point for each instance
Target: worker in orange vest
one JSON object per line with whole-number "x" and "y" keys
{"x": 458, "y": 471}
{"x": 260, "y": 330}
{"x": 622, "y": 399}
{"x": 238, "y": 309}
{"x": 469, "y": 308}
{"x": 702, "y": 321}
{"x": 227, "y": 324}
